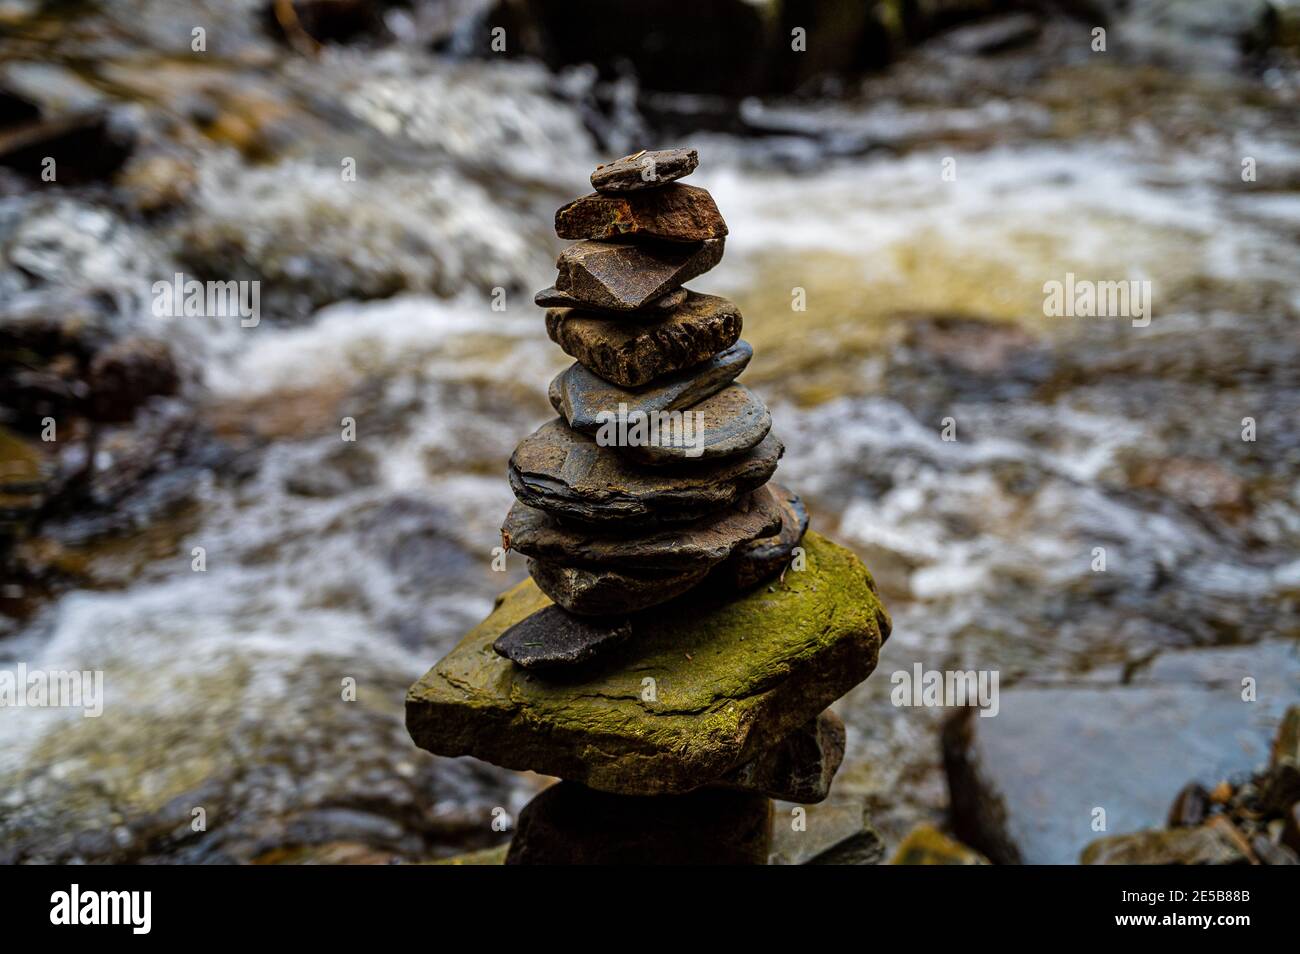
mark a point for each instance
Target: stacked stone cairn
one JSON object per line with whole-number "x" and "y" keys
{"x": 682, "y": 633}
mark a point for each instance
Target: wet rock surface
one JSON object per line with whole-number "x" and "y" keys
{"x": 566, "y": 474}
{"x": 554, "y": 298}
{"x": 726, "y": 683}
{"x": 631, "y": 354}
{"x": 589, "y": 591}
{"x": 621, "y": 276}
{"x": 647, "y": 169}
{"x": 582, "y": 397}
{"x": 675, "y": 213}
{"x": 722, "y": 425}
{"x": 569, "y": 824}
{"x": 761, "y": 559}
{"x": 551, "y": 638}
{"x": 698, "y": 546}
{"x": 800, "y": 768}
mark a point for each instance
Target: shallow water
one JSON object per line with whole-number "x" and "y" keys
{"x": 330, "y": 560}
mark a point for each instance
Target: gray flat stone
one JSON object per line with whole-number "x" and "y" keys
{"x": 702, "y": 545}
{"x": 722, "y": 425}
{"x": 551, "y": 638}
{"x": 592, "y": 592}
{"x": 581, "y": 397}
{"x": 565, "y": 473}
{"x": 647, "y": 169}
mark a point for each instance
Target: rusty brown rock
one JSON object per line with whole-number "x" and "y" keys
{"x": 631, "y": 354}
{"x": 675, "y": 213}
{"x": 702, "y": 545}
{"x": 647, "y": 169}
{"x": 800, "y": 768}
{"x": 568, "y": 475}
{"x": 623, "y": 276}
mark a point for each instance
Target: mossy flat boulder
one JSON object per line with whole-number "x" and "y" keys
{"x": 698, "y": 690}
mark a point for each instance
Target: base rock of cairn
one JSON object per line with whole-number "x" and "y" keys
{"x": 673, "y": 656}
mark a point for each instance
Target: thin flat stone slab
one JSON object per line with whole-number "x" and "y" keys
{"x": 699, "y": 691}
{"x": 722, "y": 425}
{"x": 585, "y": 591}
{"x": 699, "y": 546}
{"x": 554, "y": 298}
{"x": 554, "y": 638}
{"x": 647, "y": 169}
{"x": 627, "y": 276}
{"x": 567, "y": 474}
{"x": 675, "y": 213}
{"x": 765, "y": 557}
{"x": 630, "y": 354}
{"x": 585, "y": 399}
{"x": 570, "y": 824}
{"x": 801, "y": 767}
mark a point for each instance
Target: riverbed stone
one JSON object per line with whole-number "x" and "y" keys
{"x": 1024, "y": 785}
{"x": 552, "y": 638}
{"x": 765, "y": 557}
{"x": 1205, "y": 845}
{"x": 570, "y": 824}
{"x": 800, "y": 767}
{"x": 554, "y": 298}
{"x": 626, "y": 276}
{"x": 647, "y": 169}
{"x": 700, "y": 690}
{"x": 631, "y": 354}
{"x": 535, "y": 534}
{"x": 593, "y": 591}
{"x": 581, "y": 397}
{"x": 675, "y": 213}
{"x": 567, "y": 474}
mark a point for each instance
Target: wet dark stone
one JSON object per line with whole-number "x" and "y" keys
{"x": 626, "y": 276}
{"x": 800, "y": 768}
{"x": 604, "y": 592}
{"x": 699, "y": 546}
{"x": 723, "y": 425}
{"x": 554, "y": 298}
{"x": 85, "y": 147}
{"x": 765, "y": 557}
{"x": 631, "y": 354}
{"x": 865, "y": 847}
{"x": 569, "y": 824}
{"x": 645, "y": 170}
{"x": 580, "y": 397}
{"x": 1190, "y": 806}
{"x": 552, "y": 638}
{"x": 565, "y": 473}
{"x": 675, "y": 213}
{"x": 126, "y": 374}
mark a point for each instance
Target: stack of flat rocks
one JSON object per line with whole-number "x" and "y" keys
{"x": 682, "y": 633}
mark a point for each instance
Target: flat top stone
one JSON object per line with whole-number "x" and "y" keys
{"x": 675, "y": 213}
{"x": 567, "y": 474}
{"x": 551, "y": 637}
{"x": 535, "y": 534}
{"x": 580, "y": 397}
{"x": 625, "y": 276}
{"x": 631, "y": 354}
{"x": 729, "y": 682}
{"x": 647, "y": 169}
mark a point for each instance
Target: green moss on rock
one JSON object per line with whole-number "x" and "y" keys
{"x": 699, "y": 689}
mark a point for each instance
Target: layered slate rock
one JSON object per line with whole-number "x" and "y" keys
{"x": 551, "y": 638}
{"x": 801, "y": 767}
{"x": 625, "y": 276}
{"x": 569, "y": 824}
{"x": 644, "y": 170}
{"x": 585, "y": 400}
{"x": 728, "y": 683}
{"x": 763, "y": 558}
{"x": 568, "y": 475}
{"x": 723, "y": 425}
{"x": 630, "y": 354}
{"x": 588, "y": 591}
{"x": 675, "y": 213}
{"x": 554, "y": 298}
{"x": 535, "y": 534}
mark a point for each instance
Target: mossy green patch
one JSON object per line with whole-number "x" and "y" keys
{"x": 699, "y": 689}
